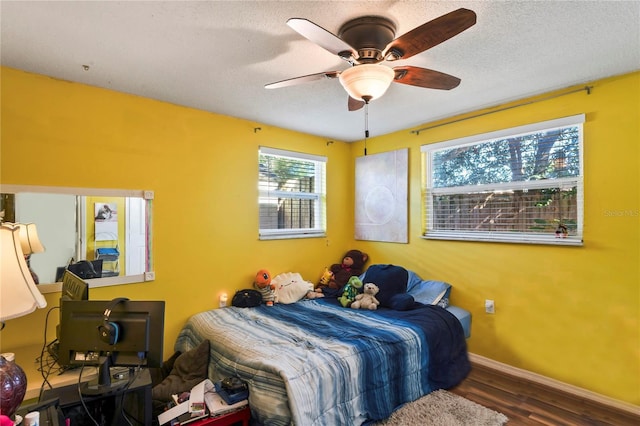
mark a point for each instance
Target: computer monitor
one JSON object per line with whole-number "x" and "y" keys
{"x": 120, "y": 332}
{"x": 74, "y": 287}
{"x": 84, "y": 269}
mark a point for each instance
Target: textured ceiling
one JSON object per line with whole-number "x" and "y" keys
{"x": 217, "y": 56}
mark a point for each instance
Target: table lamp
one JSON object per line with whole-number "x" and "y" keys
{"x": 18, "y": 296}
{"x": 30, "y": 244}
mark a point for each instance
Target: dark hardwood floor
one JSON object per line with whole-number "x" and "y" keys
{"x": 529, "y": 403}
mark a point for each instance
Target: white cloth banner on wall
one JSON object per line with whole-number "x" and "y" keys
{"x": 381, "y": 208}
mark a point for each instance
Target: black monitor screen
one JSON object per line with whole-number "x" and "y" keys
{"x": 84, "y": 269}
{"x": 137, "y": 341}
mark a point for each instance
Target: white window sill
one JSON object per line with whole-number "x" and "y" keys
{"x": 288, "y": 236}
{"x": 505, "y": 238}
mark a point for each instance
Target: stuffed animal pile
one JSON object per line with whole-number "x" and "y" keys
{"x": 367, "y": 299}
{"x": 352, "y": 265}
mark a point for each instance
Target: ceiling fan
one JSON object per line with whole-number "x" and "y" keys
{"x": 366, "y": 41}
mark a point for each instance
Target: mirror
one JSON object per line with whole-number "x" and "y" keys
{"x": 109, "y": 227}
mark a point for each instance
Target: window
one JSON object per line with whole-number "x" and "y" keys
{"x": 291, "y": 194}
{"x": 521, "y": 184}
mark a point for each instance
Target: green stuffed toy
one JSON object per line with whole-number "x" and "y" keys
{"x": 351, "y": 290}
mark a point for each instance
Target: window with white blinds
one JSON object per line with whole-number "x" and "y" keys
{"x": 292, "y": 194}
{"x": 521, "y": 185}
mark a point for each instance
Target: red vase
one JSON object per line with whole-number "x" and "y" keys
{"x": 13, "y": 386}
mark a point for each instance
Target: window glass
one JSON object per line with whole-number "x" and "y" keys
{"x": 518, "y": 185}
{"x": 291, "y": 194}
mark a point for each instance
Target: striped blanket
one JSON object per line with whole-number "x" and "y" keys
{"x": 316, "y": 363}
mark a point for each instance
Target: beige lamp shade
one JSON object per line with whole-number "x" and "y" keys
{"x": 29, "y": 239}
{"x": 367, "y": 81}
{"x": 18, "y": 293}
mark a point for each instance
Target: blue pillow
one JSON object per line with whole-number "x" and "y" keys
{"x": 391, "y": 280}
{"x": 401, "y": 302}
{"x": 428, "y": 292}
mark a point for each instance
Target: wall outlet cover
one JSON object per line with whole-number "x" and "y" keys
{"x": 489, "y": 306}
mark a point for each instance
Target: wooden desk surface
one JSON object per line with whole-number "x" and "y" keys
{"x": 27, "y": 358}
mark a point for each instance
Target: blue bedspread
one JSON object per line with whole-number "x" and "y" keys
{"x": 317, "y": 363}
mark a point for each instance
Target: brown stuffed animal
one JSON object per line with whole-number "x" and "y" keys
{"x": 352, "y": 265}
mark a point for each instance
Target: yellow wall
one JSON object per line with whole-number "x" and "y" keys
{"x": 203, "y": 168}
{"x": 568, "y": 313}
{"x": 564, "y": 312}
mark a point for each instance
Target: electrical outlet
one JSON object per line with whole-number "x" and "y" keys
{"x": 149, "y": 276}
{"x": 489, "y": 306}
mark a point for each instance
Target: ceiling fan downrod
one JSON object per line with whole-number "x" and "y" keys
{"x": 366, "y": 123}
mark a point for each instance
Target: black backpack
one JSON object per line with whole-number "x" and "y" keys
{"x": 247, "y": 298}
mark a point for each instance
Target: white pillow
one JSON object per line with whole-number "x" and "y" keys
{"x": 290, "y": 287}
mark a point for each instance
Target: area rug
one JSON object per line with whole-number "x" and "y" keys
{"x": 444, "y": 408}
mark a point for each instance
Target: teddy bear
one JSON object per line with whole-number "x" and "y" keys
{"x": 352, "y": 265}
{"x": 367, "y": 299}
{"x": 263, "y": 284}
{"x": 350, "y": 291}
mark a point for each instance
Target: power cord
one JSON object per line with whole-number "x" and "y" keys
{"x": 132, "y": 378}
{"x": 41, "y": 359}
{"x": 119, "y": 406}
{"x": 84, "y": 405}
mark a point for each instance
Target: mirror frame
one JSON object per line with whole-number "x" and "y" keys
{"x": 147, "y": 195}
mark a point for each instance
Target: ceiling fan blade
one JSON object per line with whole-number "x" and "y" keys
{"x": 423, "y": 77}
{"x": 355, "y": 104}
{"x": 323, "y": 38}
{"x": 430, "y": 34}
{"x": 301, "y": 80}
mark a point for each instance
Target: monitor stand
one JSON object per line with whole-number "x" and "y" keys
{"x": 103, "y": 384}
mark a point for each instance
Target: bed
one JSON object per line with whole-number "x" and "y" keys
{"x": 315, "y": 362}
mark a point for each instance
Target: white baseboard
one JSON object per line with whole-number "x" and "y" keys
{"x": 561, "y": 387}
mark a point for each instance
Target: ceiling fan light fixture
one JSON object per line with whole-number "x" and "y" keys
{"x": 367, "y": 81}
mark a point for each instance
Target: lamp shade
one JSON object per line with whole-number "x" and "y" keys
{"x": 29, "y": 239}
{"x": 367, "y": 81}
{"x": 18, "y": 292}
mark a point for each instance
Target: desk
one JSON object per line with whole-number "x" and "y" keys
{"x": 50, "y": 413}
{"x": 65, "y": 385}
{"x": 26, "y": 358}
{"x": 108, "y": 408}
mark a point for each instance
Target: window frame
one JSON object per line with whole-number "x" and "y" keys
{"x": 318, "y": 196}
{"x": 429, "y": 191}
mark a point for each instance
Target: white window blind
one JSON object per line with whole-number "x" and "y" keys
{"x": 292, "y": 194}
{"x": 523, "y": 184}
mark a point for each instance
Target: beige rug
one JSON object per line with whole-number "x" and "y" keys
{"x": 442, "y": 408}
